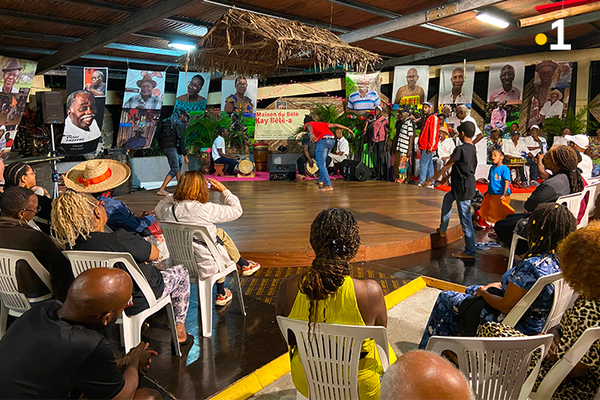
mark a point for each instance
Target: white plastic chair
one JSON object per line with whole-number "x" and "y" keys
{"x": 330, "y": 356}
{"x": 563, "y": 367}
{"x": 132, "y": 325}
{"x": 589, "y": 196}
{"x": 563, "y": 293}
{"x": 179, "y": 238}
{"x": 495, "y": 367}
{"x": 13, "y": 302}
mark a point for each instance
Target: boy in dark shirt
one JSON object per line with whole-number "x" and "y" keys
{"x": 463, "y": 162}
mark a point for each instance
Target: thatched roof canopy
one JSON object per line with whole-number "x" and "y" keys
{"x": 243, "y": 43}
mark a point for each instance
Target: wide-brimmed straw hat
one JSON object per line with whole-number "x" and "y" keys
{"x": 146, "y": 78}
{"x": 96, "y": 176}
{"x": 558, "y": 92}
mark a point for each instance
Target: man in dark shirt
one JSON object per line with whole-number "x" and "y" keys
{"x": 56, "y": 351}
{"x": 462, "y": 188}
{"x": 309, "y": 150}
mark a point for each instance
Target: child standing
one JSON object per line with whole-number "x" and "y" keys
{"x": 462, "y": 188}
{"x": 495, "y": 205}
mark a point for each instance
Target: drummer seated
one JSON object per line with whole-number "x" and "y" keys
{"x": 515, "y": 149}
{"x": 218, "y": 152}
{"x": 308, "y": 156}
{"x": 342, "y": 150}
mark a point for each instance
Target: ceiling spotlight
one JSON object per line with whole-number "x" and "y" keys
{"x": 492, "y": 20}
{"x": 182, "y": 46}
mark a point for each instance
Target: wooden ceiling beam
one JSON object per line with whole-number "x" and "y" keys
{"x": 131, "y": 24}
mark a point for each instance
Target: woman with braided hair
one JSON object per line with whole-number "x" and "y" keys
{"x": 547, "y": 226}
{"x": 325, "y": 292}
{"x": 566, "y": 179}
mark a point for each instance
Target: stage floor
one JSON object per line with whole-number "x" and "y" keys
{"x": 274, "y": 229}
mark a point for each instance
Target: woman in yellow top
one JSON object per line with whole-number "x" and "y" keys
{"x": 325, "y": 292}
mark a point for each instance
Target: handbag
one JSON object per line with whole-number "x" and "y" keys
{"x": 469, "y": 312}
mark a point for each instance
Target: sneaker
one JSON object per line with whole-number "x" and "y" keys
{"x": 223, "y": 300}
{"x": 162, "y": 192}
{"x": 251, "y": 268}
{"x": 535, "y": 183}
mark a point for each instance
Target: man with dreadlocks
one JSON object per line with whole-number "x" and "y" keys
{"x": 325, "y": 292}
{"x": 566, "y": 179}
{"x": 547, "y": 226}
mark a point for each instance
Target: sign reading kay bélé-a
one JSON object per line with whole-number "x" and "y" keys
{"x": 278, "y": 124}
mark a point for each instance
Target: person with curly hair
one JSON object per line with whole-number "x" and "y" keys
{"x": 325, "y": 292}
{"x": 189, "y": 204}
{"x": 579, "y": 256}
{"x": 548, "y": 225}
{"x": 78, "y": 221}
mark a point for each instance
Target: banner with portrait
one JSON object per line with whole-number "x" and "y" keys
{"x": 192, "y": 91}
{"x": 84, "y": 112}
{"x": 551, "y": 90}
{"x": 239, "y": 95}
{"x": 456, "y": 84}
{"x": 278, "y": 124}
{"x": 506, "y": 82}
{"x": 411, "y": 83}
{"x": 144, "y": 92}
{"x": 15, "y": 83}
{"x": 363, "y": 92}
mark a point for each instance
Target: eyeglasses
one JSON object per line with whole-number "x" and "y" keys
{"x": 37, "y": 210}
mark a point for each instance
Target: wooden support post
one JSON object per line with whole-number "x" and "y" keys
{"x": 552, "y": 16}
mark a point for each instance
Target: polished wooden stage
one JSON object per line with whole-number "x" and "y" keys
{"x": 394, "y": 219}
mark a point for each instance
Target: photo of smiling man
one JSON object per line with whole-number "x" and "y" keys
{"x": 506, "y": 82}
{"x": 81, "y": 133}
{"x": 456, "y": 84}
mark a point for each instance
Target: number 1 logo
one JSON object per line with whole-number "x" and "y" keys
{"x": 559, "y": 25}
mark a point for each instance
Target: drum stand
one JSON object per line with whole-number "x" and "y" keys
{"x": 53, "y": 154}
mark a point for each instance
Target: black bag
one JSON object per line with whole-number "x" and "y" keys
{"x": 469, "y": 312}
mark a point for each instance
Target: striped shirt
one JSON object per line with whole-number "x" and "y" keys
{"x": 404, "y": 134}
{"x": 369, "y": 102}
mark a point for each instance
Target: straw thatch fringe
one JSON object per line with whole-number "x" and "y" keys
{"x": 243, "y": 43}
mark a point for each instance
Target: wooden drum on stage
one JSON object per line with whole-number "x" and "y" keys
{"x": 261, "y": 156}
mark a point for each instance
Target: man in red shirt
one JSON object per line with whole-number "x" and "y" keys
{"x": 428, "y": 142}
{"x": 321, "y": 134}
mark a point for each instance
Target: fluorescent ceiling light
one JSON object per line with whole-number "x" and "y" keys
{"x": 182, "y": 46}
{"x": 492, "y": 20}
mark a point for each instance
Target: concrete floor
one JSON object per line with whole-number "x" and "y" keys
{"x": 406, "y": 323}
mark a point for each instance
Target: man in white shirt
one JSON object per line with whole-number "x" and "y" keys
{"x": 515, "y": 148}
{"x": 462, "y": 112}
{"x": 444, "y": 150}
{"x": 554, "y": 106}
{"x": 456, "y": 95}
{"x": 342, "y": 149}
{"x": 536, "y": 145}
{"x": 562, "y": 140}
{"x": 218, "y": 152}
{"x": 581, "y": 143}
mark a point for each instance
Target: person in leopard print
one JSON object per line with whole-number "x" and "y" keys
{"x": 579, "y": 256}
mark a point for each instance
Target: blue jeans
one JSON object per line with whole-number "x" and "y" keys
{"x": 464, "y": 213}
{"x": 175, "y": 161}
{"x": 324, "y": 146}
{"x": 426, "y": 166}
{"x": 231, "y": 163}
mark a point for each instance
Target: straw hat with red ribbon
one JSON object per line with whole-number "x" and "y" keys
{"x": 96, "y": 176}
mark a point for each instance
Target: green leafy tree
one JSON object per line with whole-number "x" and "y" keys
{"x": 577, "y": 122}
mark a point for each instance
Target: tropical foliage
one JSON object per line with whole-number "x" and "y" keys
{"x": 577, "y": 122}
{"x": 331, "y": 115}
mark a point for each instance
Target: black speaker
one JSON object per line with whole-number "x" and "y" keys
{"x": 282, "y": 172}
{"x": 354, "y": 170}
{"x": 53, "y": 110}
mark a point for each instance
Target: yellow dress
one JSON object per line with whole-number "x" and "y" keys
{"x": 341, "y": 308}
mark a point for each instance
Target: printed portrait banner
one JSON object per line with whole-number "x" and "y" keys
{"x": 506, "y": 82}
{"x": 278, "y": 124}
{"x": 84, "y": 115}
{"x": 410, "y": 81}
{"x": 192, "y": 91}
{"x": 144, "y": 91}
{"x": 15, "y": 83}
{"x": 363, "y": 92}
{"x": 238, "y": 95}
{"x": 551, "y": 90}
{"x": 456, "y": 84}
{"x": 95, "y": 80}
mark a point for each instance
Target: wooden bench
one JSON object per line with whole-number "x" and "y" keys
{"x": 219, "y": 170}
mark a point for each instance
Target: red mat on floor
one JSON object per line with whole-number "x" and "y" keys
{"x": 260, "y": 176}
{"x": 483, "y": 189}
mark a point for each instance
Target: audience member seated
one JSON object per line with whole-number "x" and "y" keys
{"x": 594, "y": 151}
{"x": 444, "y": 151}
{"x": 581, "y": 143}
{"x": 580, "y": 261}
{"x": 342, "y": 151}
{"x": 78, "y": 220}
{"x": 218, "y": 152}
{"x": 190, "y": 205}
{"x": 455, "y": 313}
{"x": 515, "y": 148}
{"x": 566, "y": 179}
{"x": 536, "y": 144}
{"x": 422, "y": 375}
{"x": 325, "y": 292}
{"x": 18, "y": 205}
{"x": 21, "y": 174}
{"x": 57, "y": 351}
{"x": 309, "y": 149}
